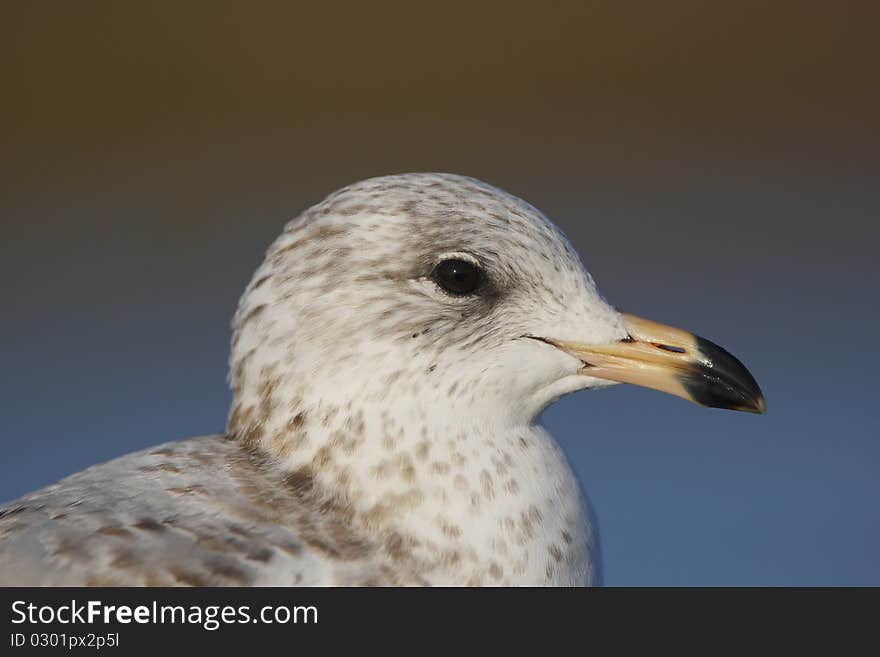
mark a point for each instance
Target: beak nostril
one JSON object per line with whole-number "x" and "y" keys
{"x": 666, "y": 347}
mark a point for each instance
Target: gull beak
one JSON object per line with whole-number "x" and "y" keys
{"x": 671, "y": 360}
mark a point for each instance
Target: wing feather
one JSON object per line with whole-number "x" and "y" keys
{"x": 195, "y": 512}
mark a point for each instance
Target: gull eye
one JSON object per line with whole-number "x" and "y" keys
{"x": 458, "y": 277}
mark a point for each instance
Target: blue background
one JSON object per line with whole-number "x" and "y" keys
{"x": 717, "y": 169}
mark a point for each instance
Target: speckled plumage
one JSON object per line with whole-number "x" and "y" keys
{"x": 381, "y": 431}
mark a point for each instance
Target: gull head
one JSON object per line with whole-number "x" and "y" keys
{"x": 449, "y": 292}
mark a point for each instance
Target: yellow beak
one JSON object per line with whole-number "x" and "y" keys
{"x": 671, "y": 360}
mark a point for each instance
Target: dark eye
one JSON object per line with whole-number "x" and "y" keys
{"x": 457, "y": 277}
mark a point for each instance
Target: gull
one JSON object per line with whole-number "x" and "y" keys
{"x": 390, "y": 359}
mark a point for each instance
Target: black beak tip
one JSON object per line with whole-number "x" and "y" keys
{"x": 758, "y": 406}
{"x": 722, "y": 381}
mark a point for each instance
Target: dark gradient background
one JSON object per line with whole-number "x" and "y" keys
{"x": 715, "y": 163}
